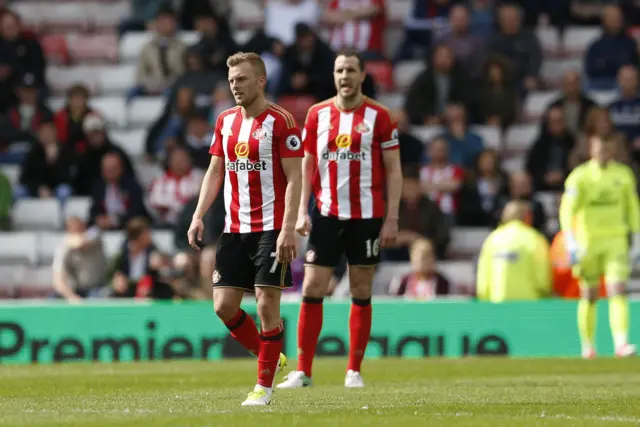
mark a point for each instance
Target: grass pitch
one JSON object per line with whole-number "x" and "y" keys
{"x": 405, "y": 393}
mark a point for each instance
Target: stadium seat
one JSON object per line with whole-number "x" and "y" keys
{"x": 549, "y": 39}
{"x": 94, "y": 47}
{"x": 146, "y": 173}
{"x": 405, "y": 72}
{"x": 112, "y": 109}
{"x": 604, "y": 97}
{"x": 132, "y": 141}
{"x": 132, "y": 44}
{"x": 537, "y": 102}
{"x": 490, "y": 134}
{"x": 12, "y": 275}
{"x": 426, "y": 133}
{"x": 38, "y": 283}
{"x": 18, "y": 247}
{"x": 513, "y": 164}
{"x": 397, "y": 11}
{"x": 112, "y": 242}
{"x": 241, "y": 37}
{"x": 393, "y": 38}
{"x": 56, "y": 49}
{"x": 38, "y": 214}
{"x": 461, "y": 274}
{"x": 163, "y": 240}
{"x": 54, "y": 16}
{"x": 553, "y": 69}
{"x": 393, "y": 101}
{"x": 144, "y": 111}
{"x": 62, "y": 78}
{"x": 466, "y": 241}
{"x": 116, "y": 79}
{"x": 382, "y": 74}
{"x": 385, "y": 273}
{"x": 12, "y": 172}
{"x": 297, "y": 106}
{"x": 577, "y": 39}
{"x": 78, "y": 206}
{"x": 48, "y": 243}
{"x": 251, "y": 16}
{"x": 520, "y": 137}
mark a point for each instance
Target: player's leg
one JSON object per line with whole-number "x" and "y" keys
{"x": 362, "y": 242}
{"x": 271, "y": 277}
{"x": 617, "y": 271}
{"x": 323, "y": 253}
{"x": 233, "y": 277}
{"x": 589, "y": 272}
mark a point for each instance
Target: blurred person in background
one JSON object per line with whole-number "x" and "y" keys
{"x": 464, "y": 144}
{"x": 28, "y": 56}
{"x": 197, "y": 78}
{"x": 143, "y": 13}
{"x": 521, "y": 189}
{"x": 496, "y": 100}
{"x": 598, "y": 123}
{"x": 548, "y": 158}
{"x": 420, "y": 217}
{"x": 520, "y": 45}
{"x": 625, "y": 111}
{"x": 610, "y": 52}
{"x": 79, "y": 263}
{"x": 441, "y": 83}
{"x": 164, "y": 132}
{"x": 117, "y": 196}
{"x": 411, "y": 148}
{"x": 307, "y": 66}
{"x": 136, "y": 271}
{"x": 424, "y": 282}
{"x": 357, "y": 24}
{"x": 427, "y": 19}
{"x": 282, "y": 16}
{"x": 514, "y": 260}
{"x": 215, "y": 46}
{"x": 190, "y": 10}
{"x": 469, "y": 50}
{"x": 598, "y": 213}
{"x": 70, "y": 118}
{"x": 9, "y": 76}
{"x": 197, "y": 139}
{"x": 161, "y": 61}
{"x": 89, "y": 162}
{"x": 170, "y": 192}
{"x": 479, "y": 194}
{"x": 48, "y": 167}
{"x": 6, "y": 201}
{"x": 574, "y": 102}
{"x": 482, "y": 17}
{"x": 441, "y": 180}
{"x": 24, "y": 118}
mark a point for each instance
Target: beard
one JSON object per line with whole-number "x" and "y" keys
{"x": 247, "y": 100}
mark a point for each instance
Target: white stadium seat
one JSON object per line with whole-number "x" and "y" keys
{"x": 251, "y": 15}
{"x": 385, "y": 274}
{"x": 146, "y": 173}
{"x": 116, "y": 79}
{"x": 578, "y": 39}
{"x": 461, "y": 274}
{"x": 537, "y": 102}
{"x": 18, "y": 247}
{"x": 112, "y": 109}
{"x": 132, "y": 44}
{"x": 490, "y": 135}
{"x": 513, "y": 164}
{"x": 38, "y": 214}
{"x": 466, "y": 241}
{"x": 78, "y": 206}
{"x": 48, "y": 243}
{"x": 241, "y": 37}
{"x": 163, "y": 240}
{"x": 144, "y": 111}
{"x": 553, "y": 69}
{"x": 112, "y": 242}
{"x": 12, "y": 172}
{"x": 398, "y": 10}
{"x": 426, "y": 133}
{"x": 405, "y": 72}
{"x": 132, "y": 141}
{"x": 520, "y": 137}
{"x": 549, "y": 39}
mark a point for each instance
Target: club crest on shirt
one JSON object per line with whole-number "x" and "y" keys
{"x": 216, "y": 276}
{"x": 310, "y": 256}
{"x": 363, "y": 128}
{"x": 260, "y": 134}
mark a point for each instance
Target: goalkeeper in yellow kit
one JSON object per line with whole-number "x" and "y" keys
{"x": 598, "y": 212}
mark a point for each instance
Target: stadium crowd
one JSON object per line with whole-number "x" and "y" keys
{"x": 480, "y": 61}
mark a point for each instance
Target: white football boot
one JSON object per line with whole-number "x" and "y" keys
{"x": 295, "y": 379}
{"x": 353, "y": 380}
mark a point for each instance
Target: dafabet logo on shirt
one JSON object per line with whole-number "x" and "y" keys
{"x": 343, "y": 152}
{"x": 242, "y": 162}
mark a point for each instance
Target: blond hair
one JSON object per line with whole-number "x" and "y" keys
{"x": 252, "y": 58}
{"x": 515, "y": 209}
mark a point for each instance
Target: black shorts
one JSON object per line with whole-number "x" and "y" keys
{"x": 247, "y": 260}
{"x": 330, "y": 238}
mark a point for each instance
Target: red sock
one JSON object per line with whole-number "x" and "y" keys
{"x": 270, "y": 348}
{"x": 243, "y": 329}
{"x": 359, "y": 331}
{"x": 309, "y": 327}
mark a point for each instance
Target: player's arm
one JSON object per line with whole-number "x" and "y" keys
{"x": 291, "y": 153}
{"x": 571, "y": 203}
{"x": 309, "y": 141}
{"x": 393, "y": 170}
{"x": 483, "y": 279}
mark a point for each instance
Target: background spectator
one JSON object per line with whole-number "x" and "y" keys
{"x": 215, "y": 45}
{"x": 464, "y": 145}
{"x": 574, "y": 102}
{"x": 357, "y": 24}
{"x": 521, "y": 190}
{"x": 282, "y": 16}
{"x": 70, "y": 118}
{"x": 496, "y": 101}
{"x": 26, "y": 52}
{"x": 625, "y": 111}
{"x": 23, "y": 119}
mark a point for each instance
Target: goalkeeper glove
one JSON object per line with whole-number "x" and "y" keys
{"x": 634, "y": 253}
{"x": 571, "y": 245}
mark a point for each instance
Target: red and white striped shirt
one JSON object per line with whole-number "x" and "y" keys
{"x": 169, "y": 193}
{"x": 363, "y": 35}
{"x": 349, "y": 182}
{"x": 448, "y": 202}
{"x": 255, "y": 182}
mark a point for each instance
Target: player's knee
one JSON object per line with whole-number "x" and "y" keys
{"x": 207, "y": 261}
{"x": 616, "y": 289}
{"x": 360, "y": 282}
{"x": 225, "y": 310}
{"x": 316, "y": 282}
{"x": 589, "y": 293}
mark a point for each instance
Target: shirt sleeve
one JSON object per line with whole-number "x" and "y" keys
{"x": 632, "y": 204}
{"x": 310, "y": 133}
{"x": 216, "y": 148}
{"x": 388, "y": 133}
{"x": 290, "y": 144}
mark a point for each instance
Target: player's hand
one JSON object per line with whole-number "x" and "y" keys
{"x": 389, "y": 233}
{"x": 286, "y": 246}
{"x": 195, "y": 233}
{"x": 303, "y": 224}
{"x": 572, "y": 249}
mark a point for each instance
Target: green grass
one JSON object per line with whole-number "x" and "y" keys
{"x": 404, "y": 393}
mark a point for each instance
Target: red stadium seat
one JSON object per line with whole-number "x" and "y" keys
{"x": 382, "y": 73}
{"x": 297, "y": 106}
{"x": 94, "y": 47}
{"x": 56, "y": 49}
